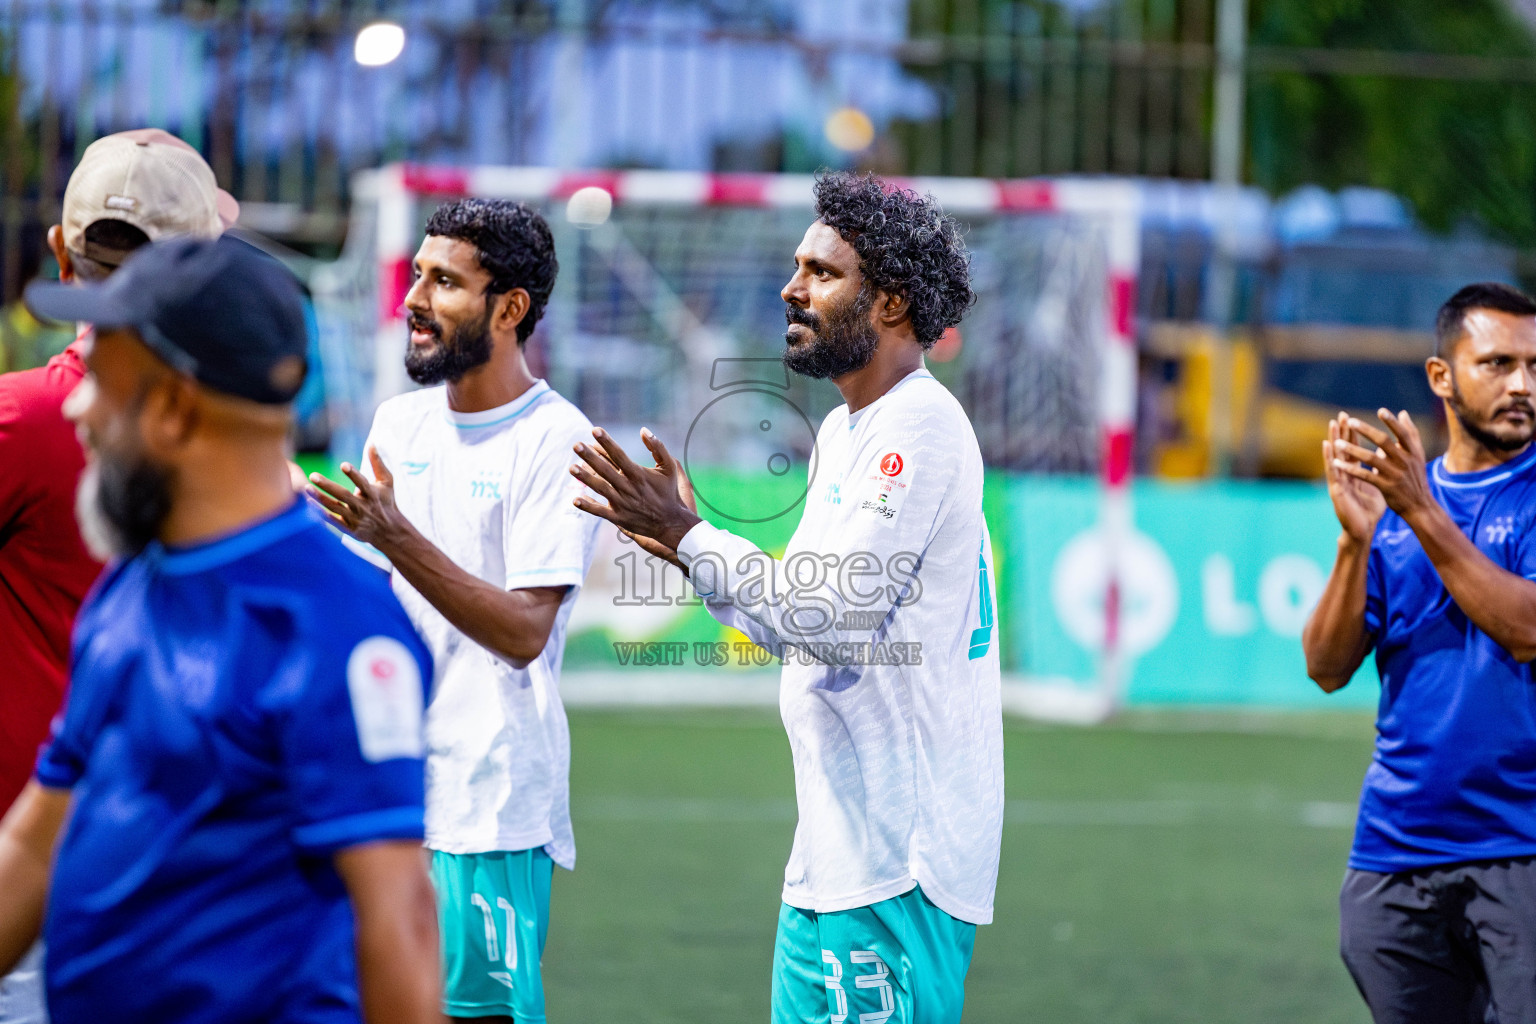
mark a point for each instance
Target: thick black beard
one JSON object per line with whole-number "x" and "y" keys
{"x": 450, "y": 360}
{"x": 122, "y": 504}
{"x": 845, "y": 342}
{"x": 1488, "y": 440}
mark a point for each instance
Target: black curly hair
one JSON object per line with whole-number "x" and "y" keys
{"x": 907, "y": 246}
{"x": 513, "y": 244}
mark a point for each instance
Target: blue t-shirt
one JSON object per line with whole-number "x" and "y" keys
{"x": 238, "y": 711}
{"x": 1453, "y": 778}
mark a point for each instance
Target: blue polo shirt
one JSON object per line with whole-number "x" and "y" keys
{"x": 238, "y": 711}
{"x": 1453, "y": 778}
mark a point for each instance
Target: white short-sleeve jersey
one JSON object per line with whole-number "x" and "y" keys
{"x": 883, "y": 609}
{"x": 493, "y": 491}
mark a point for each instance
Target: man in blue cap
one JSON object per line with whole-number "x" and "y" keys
{"x": 226, "y": 824}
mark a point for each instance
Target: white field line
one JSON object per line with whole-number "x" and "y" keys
{"x": 653, "y": 687}
{"x": 1051, "y": 701}
{"x": 645, "y": 687}
{"x": 1071, "y": 813}
{"x": 650, "y": 687}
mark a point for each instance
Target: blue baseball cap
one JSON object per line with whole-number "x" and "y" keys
{"x": 218, "y": 310}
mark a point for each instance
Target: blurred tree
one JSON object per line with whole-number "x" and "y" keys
{"x": 1029, "y": 87}
{"x": 1123, "y": 86}
{"x": 1461, "y": 151}
{"x": 23, "y": 340}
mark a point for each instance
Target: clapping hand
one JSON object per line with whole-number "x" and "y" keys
{"x": 368, "y": 513}
{"x": 1363, "y": 482}
{"x": 653, "y": 505}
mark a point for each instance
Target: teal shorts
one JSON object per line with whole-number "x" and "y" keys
{"x": 493, "y": 915}
{"x": 899, "y": 961}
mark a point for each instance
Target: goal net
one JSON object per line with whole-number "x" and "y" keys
{"x": 668, "y": 315}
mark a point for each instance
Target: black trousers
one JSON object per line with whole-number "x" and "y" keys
{"x": 1454, "y": 944}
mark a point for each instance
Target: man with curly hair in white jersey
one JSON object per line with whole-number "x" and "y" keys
{"x": 882, "y": 611}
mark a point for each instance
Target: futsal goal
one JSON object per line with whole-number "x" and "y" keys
{"x": 671, "y": 306}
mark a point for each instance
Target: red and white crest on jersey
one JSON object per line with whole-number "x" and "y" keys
{"x": 885, "y": 488}
{"x": 388, "y": 701}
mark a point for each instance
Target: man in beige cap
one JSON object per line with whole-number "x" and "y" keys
{"x": 133, "y": 187}
{"x": 129, "y": 189}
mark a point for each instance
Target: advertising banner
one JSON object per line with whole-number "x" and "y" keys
{"x": 1219, "y": 579}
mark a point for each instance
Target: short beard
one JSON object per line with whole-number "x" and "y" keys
{"x": 842, "y": 342}
{"x": 450, "y": 361}
{"x": 120, "y": 505}
{"x": 1487, "y": 439}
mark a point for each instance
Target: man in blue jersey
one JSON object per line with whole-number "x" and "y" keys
{"x": 1436, "y": 570}
{"x": 226, "y": 824}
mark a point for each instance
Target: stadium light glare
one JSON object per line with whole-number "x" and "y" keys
{"x": 849, "y": 129}
{"x": 378, "y": 44}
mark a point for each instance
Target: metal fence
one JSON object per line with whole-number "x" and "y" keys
{"x": 269, "y": 90}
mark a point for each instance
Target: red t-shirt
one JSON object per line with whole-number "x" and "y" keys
{"x": 44, "y": 567}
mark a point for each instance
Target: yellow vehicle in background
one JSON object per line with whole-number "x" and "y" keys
{"x": 1337, "y": 312}
{"x": 1226, "y": 419}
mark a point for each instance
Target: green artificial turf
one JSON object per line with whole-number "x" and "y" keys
{"x": 1169, "y": 867}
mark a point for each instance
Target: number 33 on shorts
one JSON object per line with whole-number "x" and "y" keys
{"x": 878, "y": 979}
{"x": 899, "y": 961}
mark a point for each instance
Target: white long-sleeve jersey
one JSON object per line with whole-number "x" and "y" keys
{"x": 882, "y": 608}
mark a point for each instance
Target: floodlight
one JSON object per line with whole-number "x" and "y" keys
{"x": 378, "y": 44}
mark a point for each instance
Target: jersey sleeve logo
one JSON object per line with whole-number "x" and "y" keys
{"x": 384, "y": 683}
{"x": 884, "y": 490}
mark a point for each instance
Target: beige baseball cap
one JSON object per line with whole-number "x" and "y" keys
{"x": 148, "y": 178}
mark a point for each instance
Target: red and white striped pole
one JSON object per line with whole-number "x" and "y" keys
{"x": 395, "y": 198}
{"x": 1118, "y": 203}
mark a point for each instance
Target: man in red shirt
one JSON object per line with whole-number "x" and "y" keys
{"x": 128, "y": 189}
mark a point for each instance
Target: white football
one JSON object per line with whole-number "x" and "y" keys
{"x": 588, "y": 207}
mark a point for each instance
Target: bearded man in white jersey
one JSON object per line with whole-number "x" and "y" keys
{"x": 882, "y": 611}
{"x": 466, "y": 493}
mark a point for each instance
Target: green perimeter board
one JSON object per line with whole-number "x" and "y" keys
{"x": 594, "y": 649}
{"x": 763, "y": 490}
{"x": 1223, "y": 575}
{"x": 1236, "y": 566}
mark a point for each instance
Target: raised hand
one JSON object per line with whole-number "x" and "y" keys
{"x": 651, "y": 545}
{"x": 1357, "y": 504}
{"x": 654, "y": 505}
{"x": 369, "y": 513}
{"x": 1395, "y": 470}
